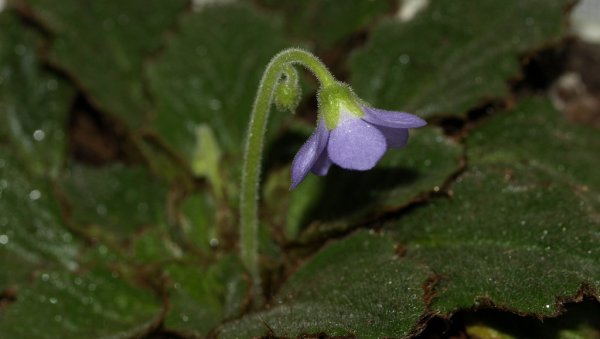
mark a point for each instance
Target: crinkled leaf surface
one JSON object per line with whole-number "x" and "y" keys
{"x": 97, "y": 304}
{"x": 34, "y": 242}
{"x": 102, "y": 46}
{"x": 33, "y": 109}
{"x": 336, "y": 202}
{"x": 202, "y": 297}
{"x": 115, "y": 199}
{"x": 202, "y": 78}
{"x": 325, "y": 23}
{"x": 528, "y": 232}
{"x": 33, "y": 102}
{"x": 535, "y": 134}
{"x": 525, "y": 241}
{"x": 357, "y": 286}
{"x": 453, "y": 54}
{"x": 32, "y": 233}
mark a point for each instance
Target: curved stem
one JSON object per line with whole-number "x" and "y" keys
{"x": 254, "y": 148}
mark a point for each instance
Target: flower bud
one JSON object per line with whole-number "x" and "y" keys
{"x": 288, "y": 92}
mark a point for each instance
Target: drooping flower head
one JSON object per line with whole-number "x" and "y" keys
{"x": 350, "y": 134}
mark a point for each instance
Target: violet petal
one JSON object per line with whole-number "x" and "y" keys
{"x": 356, "y": 144}
{"x": 322, "y": 165}
{"x": 394, "y": 137}
{"x": 392, "y": 119}
{"x": 308, "y": 154}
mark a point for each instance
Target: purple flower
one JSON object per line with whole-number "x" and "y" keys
{"x": 351, "y": 135}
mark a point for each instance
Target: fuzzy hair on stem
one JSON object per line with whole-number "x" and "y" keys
{"x": 249, "y": 193}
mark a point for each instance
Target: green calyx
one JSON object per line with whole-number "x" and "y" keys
{"x": 336, "y": 98}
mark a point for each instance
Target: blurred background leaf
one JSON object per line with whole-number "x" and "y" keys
{"x": 34, "y": 102}
{"x": 463, "y": 56}
{"x": 102, "y": 47}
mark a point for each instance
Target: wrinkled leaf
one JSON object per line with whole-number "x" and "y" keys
{"x": 201, "y": 298}
{"x": 115, "y": 199}
{"x": 209, "y": 74}
{"x": 344, "y": 291}
{"x": 102, "y": 46}
{"x": 33, "y": 102}
{"x": 32, "y": 233}
{"x": 537, "y": 135}
{"x": 325, "y": 23}
{"x": 96, "y": 304}
{"x": 518, "y": 243}
{"x": 453, "y": 55}
{"x": 517, "y": 232}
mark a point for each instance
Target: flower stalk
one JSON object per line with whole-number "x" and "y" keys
{"x": 249, "y": 194}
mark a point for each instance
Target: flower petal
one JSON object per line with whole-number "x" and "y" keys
{"x": 392, "y": 119}
{"x": 322, "y": 165}
{"x": 356, "y": 144}
{"x": 308, "y": 154}
{"x": 394, "y": 137}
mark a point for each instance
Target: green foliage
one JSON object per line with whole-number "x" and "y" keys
{"x": 326, "y": 23}
{"x": 202, "y": 298}
{"x": 503, "y": 215}
{"x": 464, "y": 54}
{"x": 33, "y": 234}
{"x": 102, "y": 46}
{"x": 117, "y": 198}
{"x": 33, "y": 101}
{"x": 343, "y": 291}
{"x": 201, "y": 79}
{"x": 73, "y": 306}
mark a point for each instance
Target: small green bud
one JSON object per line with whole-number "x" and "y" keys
{"x": 288, "y": 91}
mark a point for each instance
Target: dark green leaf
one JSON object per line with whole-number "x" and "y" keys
{"x": 95, "y": 305}
{"x": 209, "y": 74}
{"x": 33, "y": 102}
{"x": 522, "y": 226}
{"x": 32, "y": 233}
{"x": 452, "y": 55}
{"x": 325, "y": 23}
{"x": 102, "y": 46}
{"x": 534, "y": 133}
{"x": 357, "y": 286}
{"x": 198, "y": 221}
{"x": 203, "y": 298}
{"x": 115, "y": 199}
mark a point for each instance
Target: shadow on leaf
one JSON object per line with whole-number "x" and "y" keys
{"x": 349, "y": 194}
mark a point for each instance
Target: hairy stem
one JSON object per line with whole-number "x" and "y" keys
{"x": 249, "y": 194}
